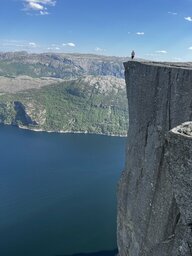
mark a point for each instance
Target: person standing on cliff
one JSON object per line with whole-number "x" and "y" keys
{"x": 132, "y": 54}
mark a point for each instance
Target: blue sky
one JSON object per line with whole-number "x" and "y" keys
{"x": 155, "y": 29}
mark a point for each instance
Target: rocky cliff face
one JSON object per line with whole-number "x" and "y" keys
{"x": 154, "y": 198}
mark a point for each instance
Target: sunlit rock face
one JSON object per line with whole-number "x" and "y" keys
{"x": 154, "y": 196}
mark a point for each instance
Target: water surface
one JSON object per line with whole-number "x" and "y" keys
{"x": 58, "y": 192}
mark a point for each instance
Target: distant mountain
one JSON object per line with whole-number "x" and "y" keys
{"x": 63, "y": 92}
{"x": 60, "y": 65}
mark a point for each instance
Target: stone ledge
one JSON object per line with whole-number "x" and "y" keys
{"x": 181, "y": 65}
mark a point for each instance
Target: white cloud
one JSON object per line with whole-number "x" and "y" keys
{"x": 35, "y": 6}
{"x": 69, "y": 44}
{"x": 161, "y": 51}
{"x": 39, "y": 6}
{"x": 140, "y": 33}
{"x": 190, "y": 48}
{"x": 52, "y": 49}
{"x": 188, "y": 18}
{"x": 32, "y": 44}
{"x": 98, "y": 49}
{"x": 44, "y": 12}
{"x": 42, "y": 2}
{"x": 173, "y": 13}
{"x": 48, "y": 2}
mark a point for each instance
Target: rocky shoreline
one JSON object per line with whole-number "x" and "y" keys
{"x": 71, "y": 132}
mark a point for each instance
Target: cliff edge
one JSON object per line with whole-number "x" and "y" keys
{"x": 155, "y": 190}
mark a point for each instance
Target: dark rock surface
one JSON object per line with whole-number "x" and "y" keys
{"x": 149, "y": 212}
{"x": 180, "y": 170}
{"x": 21, "y": 114}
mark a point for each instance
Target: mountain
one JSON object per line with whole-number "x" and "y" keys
{"x": 60, "y": 65}
{"x": 93, "y": 104}
{"x": 63, "y": 92}
{"x": 155, "y": 191}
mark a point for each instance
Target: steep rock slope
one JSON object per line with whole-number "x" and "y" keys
{"x": 180, "y": 170}
{"x": 150, "y": 220}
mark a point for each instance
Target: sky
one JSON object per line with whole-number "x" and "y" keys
{"x": 155, "y": 29}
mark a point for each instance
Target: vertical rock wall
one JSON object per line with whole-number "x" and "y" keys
{"x": 179, "y": 153}
{"x": 159, "y": 98}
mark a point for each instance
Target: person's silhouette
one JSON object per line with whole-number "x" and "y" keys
{"x": 132, "y": 54}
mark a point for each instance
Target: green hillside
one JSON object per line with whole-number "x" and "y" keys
{"x": 89, "y": 104}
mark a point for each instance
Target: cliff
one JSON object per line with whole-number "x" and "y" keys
{"x": 155, "y": 190}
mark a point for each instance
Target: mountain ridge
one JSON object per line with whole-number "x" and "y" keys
{"x": 60, "y": 65}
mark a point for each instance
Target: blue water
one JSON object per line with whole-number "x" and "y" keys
{"x": 58, "y": 192}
